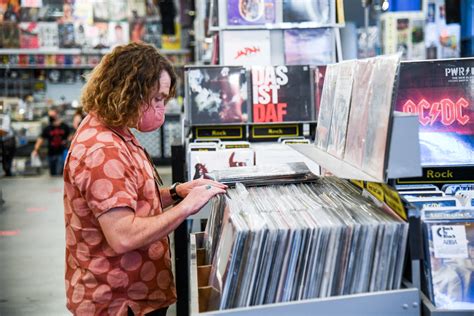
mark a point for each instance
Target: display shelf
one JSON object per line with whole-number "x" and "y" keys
{"x": 397, "y": 302}
{"x": 276, "y": 26}
{"x": 429, "y": 309}
{"x": 403, "y": 157}
{"x": 78, "y": 51}
{"x": 46, "y": 66}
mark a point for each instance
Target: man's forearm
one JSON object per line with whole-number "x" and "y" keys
{"x": 125, "y": 231}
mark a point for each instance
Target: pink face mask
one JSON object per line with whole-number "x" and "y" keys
{"x": 152, "y": 119}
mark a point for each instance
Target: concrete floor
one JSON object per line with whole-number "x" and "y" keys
{"x": 32, "y": 242}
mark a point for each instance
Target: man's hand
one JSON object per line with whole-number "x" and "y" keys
{"x": 199, "y": 195}
{"x": 185, "y": 188}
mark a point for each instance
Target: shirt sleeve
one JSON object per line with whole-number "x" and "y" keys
{"x": 106, "y": 179}
{"x": 45, "y": 133}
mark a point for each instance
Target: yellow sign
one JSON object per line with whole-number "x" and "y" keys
{"x": 359, "y": 183}
{"x": 376, "y": 190}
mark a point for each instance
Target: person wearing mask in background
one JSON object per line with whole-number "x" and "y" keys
{"x": 117, "y": 223}
{"x": 56, "y": 134}
{"x": 7, "y": 143}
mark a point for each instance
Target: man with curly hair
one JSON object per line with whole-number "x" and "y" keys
{"x": 117, "y": 250}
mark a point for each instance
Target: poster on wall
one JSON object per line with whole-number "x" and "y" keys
{"x": 246, "y": 48}
{"x": 442, "y": 94}
{"x": 250, "y": 12}
{"x": 217, "y": 95}
{"x": 281, "y": 94}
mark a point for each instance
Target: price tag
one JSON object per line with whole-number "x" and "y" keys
{"x": 449, "y": 241}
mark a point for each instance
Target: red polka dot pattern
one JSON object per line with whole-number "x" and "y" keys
{"x": 103, "y": 171}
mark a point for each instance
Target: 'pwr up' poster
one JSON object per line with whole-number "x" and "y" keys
{"x": 441, "y": 93}
{"x": 281, "y": 94}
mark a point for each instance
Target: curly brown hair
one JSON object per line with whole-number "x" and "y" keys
{"x": 124, "y": 80}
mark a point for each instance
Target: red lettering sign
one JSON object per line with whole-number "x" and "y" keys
{"x": 269, "y": 112}
{"x": 445, "y": 111}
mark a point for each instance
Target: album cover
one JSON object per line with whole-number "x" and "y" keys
{"x": 444, "y": 103}
{"x": 83, "y": 12}
{"x": 136, "y": 8}
{"x": 217, "y": 95}
{"x": 309, "y": 46}
{"x": 29, "y": 37}
{"x": 241, "y": 12}
{"x": 281, "y": 94}
{"x": 117, "y": 10}
{"x": 10, "y": 35}
{"x": 450, "y": 251}
{"x": 326, "y": 107}
{"x": 357, "y": 124}
{"x": 97, "y": 35}
{"x": 317, "y": 11}
{"x": 118, "y": 33}
{"x": 153, "y": 33}
{"x": 203, "y": 162}
{"x": 319, "y": 73}
{"x": 51, "y": 10}
{"x": 379, "y": 116}
{"x": 80, "y": 35}
{"x": 342, "y": 103}
{"x": 432, "y": 202}
{"x": 10, "y": 11}
{"x": 137, "y": 30}
{"x": 246, "y": 48}
{"x": 100, "y": 11}
{"x": 66, "y": 35}
{"x": 29, "y": 14}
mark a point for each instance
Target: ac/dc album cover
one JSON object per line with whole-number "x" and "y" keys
{"x": 441, "y": 93}
{"x": 217, "y": 95}
{"x": 309, "y": 46}
{"x": 254, "y": 12}
{"x": 29, "y": 35}
{"x": 316, "y": 11}
{"x": 66, "y": 35}
{"x": 281, "y": 94}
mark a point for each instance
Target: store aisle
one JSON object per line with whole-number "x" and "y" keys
{"x": 32, "y": 246}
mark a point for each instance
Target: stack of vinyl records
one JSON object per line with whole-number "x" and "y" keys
{"x": 264, "y": 174}
{"x": 284, "y": 243}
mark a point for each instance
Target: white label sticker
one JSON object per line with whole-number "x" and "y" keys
{"x": 449, "y": 241}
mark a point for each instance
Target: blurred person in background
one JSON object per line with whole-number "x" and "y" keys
{"x": 7, "y": 144}
{"x": 79, "y": 115}
{"x": 56, "y": 135}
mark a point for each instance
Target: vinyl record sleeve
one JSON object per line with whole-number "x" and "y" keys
{"x": 66, "y": 35}
{"x": 246, "y": 48}
{"x": 316, "y": 11}
{"x": 281, "y": 94}
{"x": 326, "y": 107}
{"x": 257, "y": 12}
{"x": 29, "y": 37}
{"x": 309, "y": 46}
{"x": 379, "y": 115}
{"x": 217, "y": 95}
{"x": 342, "y": 103}
{"x": 118, "y": 33}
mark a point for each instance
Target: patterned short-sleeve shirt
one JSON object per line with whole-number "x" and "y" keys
{"x": 106, "y": 169}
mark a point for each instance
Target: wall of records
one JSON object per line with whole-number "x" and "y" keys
{"x": 274, "y": 32}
